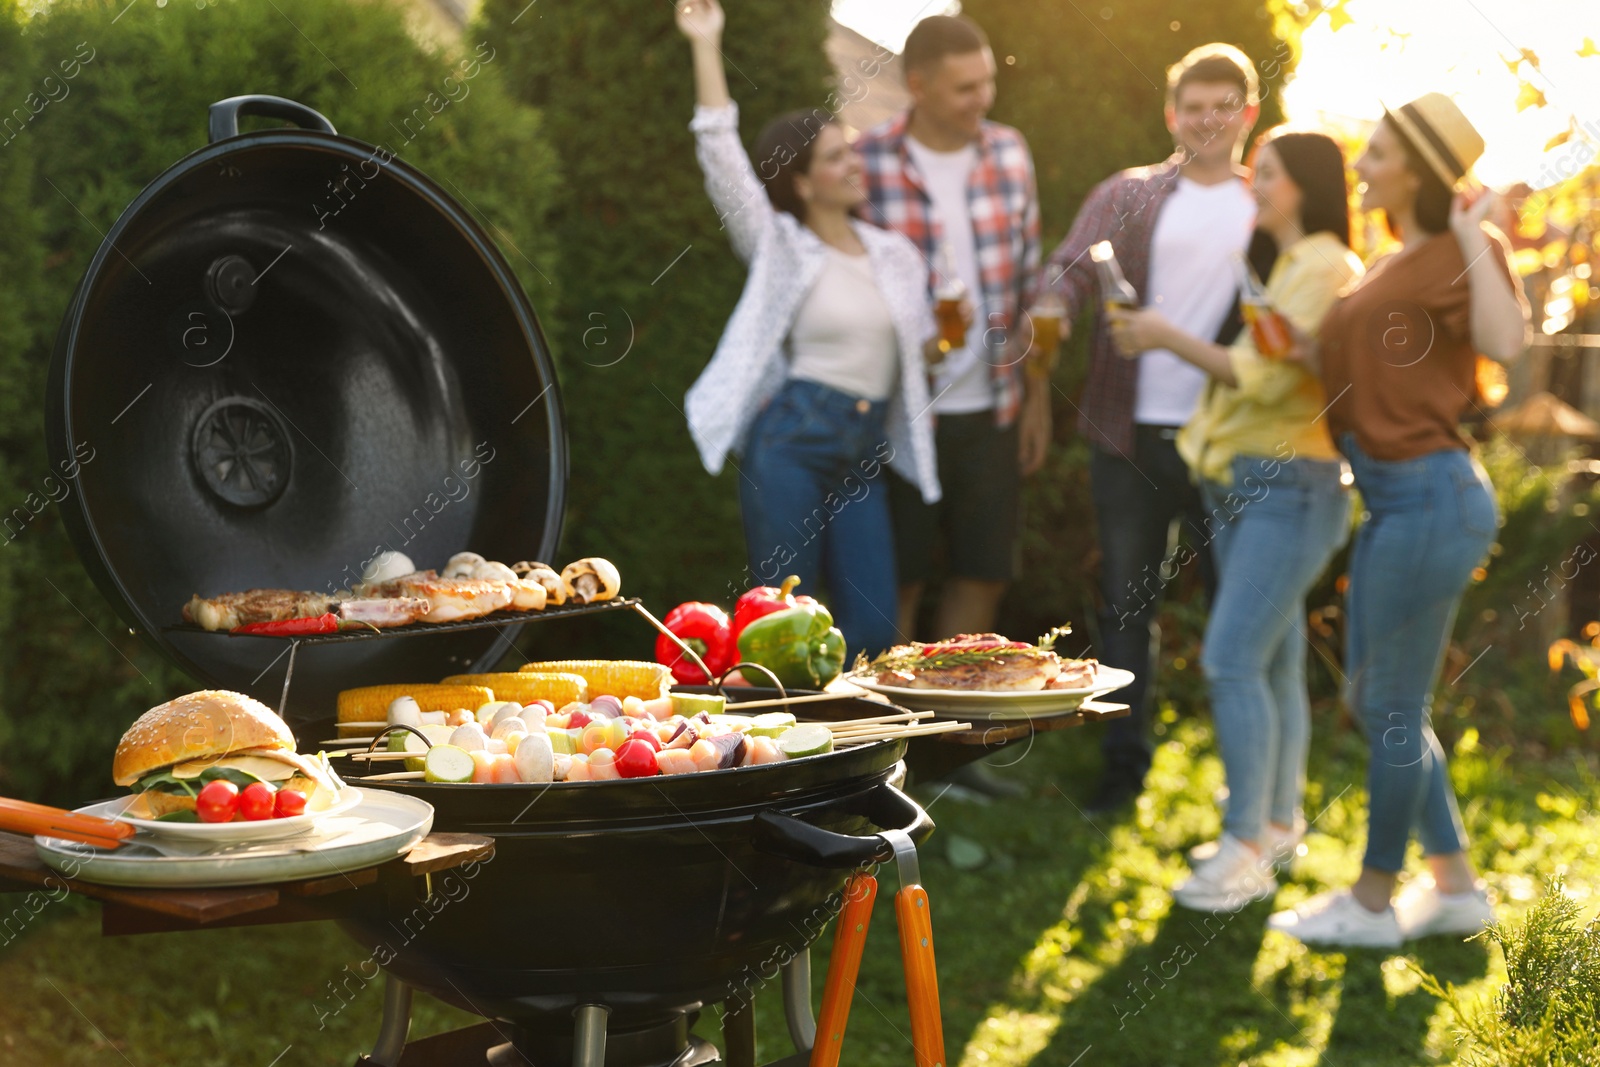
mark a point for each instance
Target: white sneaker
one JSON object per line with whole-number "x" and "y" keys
{"x": 1423, "y": 911}
{"x": 1281, "y": 847}
{"x": 1337, "y": 918}
{"x": 1230, "y": 880}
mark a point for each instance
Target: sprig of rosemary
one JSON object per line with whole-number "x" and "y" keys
{"x": 912, "y": 657}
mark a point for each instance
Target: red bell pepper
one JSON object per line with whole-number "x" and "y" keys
{"x": 764, "y": 600}
{"x": 704, "y": 628}
{"x": 319, "y": 624}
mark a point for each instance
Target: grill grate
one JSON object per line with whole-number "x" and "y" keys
{"x": 485, "y": 622}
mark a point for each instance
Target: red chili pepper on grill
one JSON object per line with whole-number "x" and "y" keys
{"x": 704, "y": 628}
{"x": 320, "y": 624}
{"x": 764, "y": 600}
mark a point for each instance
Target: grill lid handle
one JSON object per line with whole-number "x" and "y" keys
{"x": 793, "y": 839}
{"x": 225, "y": 114}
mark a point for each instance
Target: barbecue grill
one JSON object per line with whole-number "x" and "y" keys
{"x": 273, "y": 394}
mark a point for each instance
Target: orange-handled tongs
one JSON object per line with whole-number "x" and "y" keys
{"x": 916, "y": 953}
{"x": 23, "y": 817}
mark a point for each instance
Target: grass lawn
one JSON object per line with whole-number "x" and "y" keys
{"x": 1062, "y": 949}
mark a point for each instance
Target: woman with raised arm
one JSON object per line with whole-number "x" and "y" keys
{"x": 1276, "y": 510}
{"x": 818, "y": 379}
{"x": 1397, "y": 355}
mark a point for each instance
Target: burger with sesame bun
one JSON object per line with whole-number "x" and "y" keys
{"x": 173, "y": 752}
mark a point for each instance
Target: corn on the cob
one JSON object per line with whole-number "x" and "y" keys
{"x": 371, "y": 703}
{"x": 524, "y": 687}
{"x": 614, "y": 677}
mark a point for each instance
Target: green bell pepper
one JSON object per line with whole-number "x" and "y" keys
{"x": 800, "y": 645}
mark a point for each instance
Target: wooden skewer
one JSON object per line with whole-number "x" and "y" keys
{"x": 346, "y": 741}
{"x": 394, "y": 776}
{"x": 912, "y": 731}
{"x": 882, "y": 728}
{"x": 873, "y": 720}
{"x": 380, "y": 755}
{"x": 741, "y": 706}
{"x": 838, "y": 727}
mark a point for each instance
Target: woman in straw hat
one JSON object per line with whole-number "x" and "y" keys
{"x": 1397, "y": 354}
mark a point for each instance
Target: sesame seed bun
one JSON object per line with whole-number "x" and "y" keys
{"x": 208, "y": 723}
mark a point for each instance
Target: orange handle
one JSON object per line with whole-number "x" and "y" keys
{"x": 922, "y": 982}
{"x": 849, "y": 939}
{"x": 24, "y": 817}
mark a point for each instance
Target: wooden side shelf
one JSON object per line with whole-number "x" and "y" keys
{"x": 998, "y": 733}
{"x": 131, "y": 911}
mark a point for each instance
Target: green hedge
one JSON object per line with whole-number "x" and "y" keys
{"x": 71, "y": 679}
{"x": 650, "y": 278}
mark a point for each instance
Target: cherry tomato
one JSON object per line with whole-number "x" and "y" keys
{"x": 578, "y": 719}
{"x": 255, "y": 801}
{"x": 636, "y": 759}
{"x": 218, "y": 801}
{"x": 648, "y": 737}
{"x": 287, "y": 803}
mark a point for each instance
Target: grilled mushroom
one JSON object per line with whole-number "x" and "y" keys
{"x": 555, "y": 589}
{"x": 592, "y": 579}
{"x": 462, "y": 564}
{"x": 525, "y": 595}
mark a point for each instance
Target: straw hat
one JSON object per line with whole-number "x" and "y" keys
{"x": 1441, "y": 133}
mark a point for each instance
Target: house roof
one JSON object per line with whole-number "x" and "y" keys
{"x": 867, "y": 78}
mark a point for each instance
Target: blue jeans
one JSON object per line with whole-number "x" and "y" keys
{"x": 814, "y": 494}
{"x": 1139, "y": 501}
{"x": 1273, "y": 531}
{"x": 1430, "y": 521}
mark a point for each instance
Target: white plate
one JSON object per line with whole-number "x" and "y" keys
{"x": 228, "y": 833}
{"x": 999, "y": 707}
{"x": 380, "y": 827}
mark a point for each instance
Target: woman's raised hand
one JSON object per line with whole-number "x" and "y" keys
{"x": 1468, "y": 210}
{"x": 700, "y": 20}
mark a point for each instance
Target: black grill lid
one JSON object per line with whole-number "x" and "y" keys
{"x": 293, "y": 351}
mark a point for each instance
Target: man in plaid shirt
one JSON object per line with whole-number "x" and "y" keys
{"x": 1175, "y": 228}
{"x": 962, "y": 189}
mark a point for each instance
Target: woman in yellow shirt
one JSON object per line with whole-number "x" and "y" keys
{"x": 1277, "y": 511}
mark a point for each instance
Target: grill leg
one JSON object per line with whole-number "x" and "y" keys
{"x": 396, "y": 1023}
{"x": 739, "y": 1032}
{"x": 797, "y": 1002}
{"x": 589, "y": 1036}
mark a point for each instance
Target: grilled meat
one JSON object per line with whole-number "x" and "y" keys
{"x": 232, "y": 610}
{"x": 980, "y": 663}
{"x": 384, "y": 612}
{"x": 1076, "y": 674}
{"x": 449, "y": 599}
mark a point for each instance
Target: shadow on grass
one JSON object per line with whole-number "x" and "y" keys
{"x": 1372, "y": 1023}
{"x": 1186, "y": 989}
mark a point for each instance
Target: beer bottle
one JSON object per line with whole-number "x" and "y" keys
{"x": 1115, "y": 291}
{"x": 1268, "y": 328}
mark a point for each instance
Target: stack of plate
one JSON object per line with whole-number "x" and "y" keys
{"x": 367, "y": 827}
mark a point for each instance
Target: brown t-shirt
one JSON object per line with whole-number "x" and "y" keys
{"x": 1397, "y": 351}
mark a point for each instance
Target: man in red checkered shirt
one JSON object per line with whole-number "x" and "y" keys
{"x": 1175, "y": 228}
{"x": 962, "y": 189}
